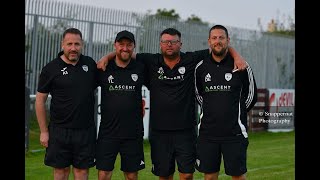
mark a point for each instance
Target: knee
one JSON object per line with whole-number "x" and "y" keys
{"x": 80, "y": 173}
{"x": 186, "y": 176}
{"x": 131, "y": 175}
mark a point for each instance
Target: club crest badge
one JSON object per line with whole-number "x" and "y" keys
{"x": 134, "y": 77}
{"x": 228, "y": 76}
{"x": 85, "y": 68}
{"x": 182, "y": 70}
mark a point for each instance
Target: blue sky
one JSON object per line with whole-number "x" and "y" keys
{"x": 236, "y": 13}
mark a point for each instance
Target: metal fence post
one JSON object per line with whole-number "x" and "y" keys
{"x": 27, "y": 116}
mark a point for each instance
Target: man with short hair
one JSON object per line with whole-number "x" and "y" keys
{"x": 121, "y": 127}
{"x": 170, "y": 79}
{"x": 225, "y": 96}
{"x": 70, "y": 137}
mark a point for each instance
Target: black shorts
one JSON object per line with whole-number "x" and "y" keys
{"x": 234, "y": 156}
{"x": 131, "y": 153}
{"x": 170, "y": 147}
{"x": 74, "y": 147}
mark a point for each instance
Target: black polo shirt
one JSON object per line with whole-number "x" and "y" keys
{"x": 121, "y": 101}
{"x": 72, "y": 91}
{"x": 172, "y": 96}
{"x": 225, "y": 98}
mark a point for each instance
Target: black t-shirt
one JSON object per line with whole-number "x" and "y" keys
{"x": 172, "y": 96}
{"x": 121, "y": 101}
{"x": 224, "y": 97}
{"x": 72, "y": 90}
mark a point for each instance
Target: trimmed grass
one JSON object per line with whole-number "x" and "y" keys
{"x": 270, "y": 157}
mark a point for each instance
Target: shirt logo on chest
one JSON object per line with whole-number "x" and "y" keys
{"x": 180, "y": 77}
{"x": 64, "y": 71}
{"x": 228, "y": 76}
{"x": 134, "y": 77}
{"x": 110, "y": 79}
{"x": 160, "y": 71}
{"x": 182, "y": 70}
{"x": 85, "y": 68}
{"x": 207, "y": 78}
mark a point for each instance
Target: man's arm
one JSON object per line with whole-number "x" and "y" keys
{"x": 41, "y": 99}
{"x": 103, "y": 62}
{"x": 249, "y": 88}
{"x": 239, "y": 62}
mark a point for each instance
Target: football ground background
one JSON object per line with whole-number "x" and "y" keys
{"x": 271, "y": 156}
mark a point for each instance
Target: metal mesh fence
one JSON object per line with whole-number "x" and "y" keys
{"x": 272, "y": 58}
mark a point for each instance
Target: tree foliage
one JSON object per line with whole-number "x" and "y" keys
{"x": 168, "y": 13}
{"x": 172, "y": 14}
{"x": 195, "y": 19}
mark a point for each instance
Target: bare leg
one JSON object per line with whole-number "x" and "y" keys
{"x": 61, "y": 173}
{"x": 80, "y": 174}
{"x": 166, "y": 178}
{"x": 104, "y": 175}
{"x": 186, "y": 176}
{"x": 241, "y": 177}
{"x": 211, "y": 176}
{"x": 131, "y": 175}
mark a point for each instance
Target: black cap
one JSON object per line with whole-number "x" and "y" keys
{"x": 125, "y": 34}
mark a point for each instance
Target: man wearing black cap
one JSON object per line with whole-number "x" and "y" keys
{"x": 125, "y": 34}
{"x": 121, "y": 126}
{"x": 170, "y": 75}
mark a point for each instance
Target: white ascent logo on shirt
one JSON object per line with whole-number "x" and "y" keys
{"x": 141, "y": 163}
{"x": 64, "y": 71}
{"x": 207, "y": 78}
{"x": 110, "y": 79}
{"x": 85, "y": 68}
{"x": 228, "y": 76}
{"x": 134, "y": 77}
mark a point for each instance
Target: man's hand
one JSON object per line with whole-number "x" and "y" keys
{"x": 44, "y": 138}
{"x": 239, "y": 63}
{"x": 102, "y": 63}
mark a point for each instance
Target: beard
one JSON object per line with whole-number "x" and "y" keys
{"x": 125, "y": 57}
{"x": 221, "y": 52}
{"x": 73, "y": 57}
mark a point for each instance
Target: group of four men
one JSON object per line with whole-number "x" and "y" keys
{"x": 174, "y": 79}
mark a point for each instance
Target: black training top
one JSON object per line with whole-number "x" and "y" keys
{"x": 121, "y": 101}
{"x": 72, "y": 91}
{"x": 225, "y": 98}
{"x": 172, "y": 96}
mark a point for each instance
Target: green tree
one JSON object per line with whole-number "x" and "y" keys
{"x": 153, "y": 24}
{"x": 167, "y": 13}
{"x": 195, "y": 19}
